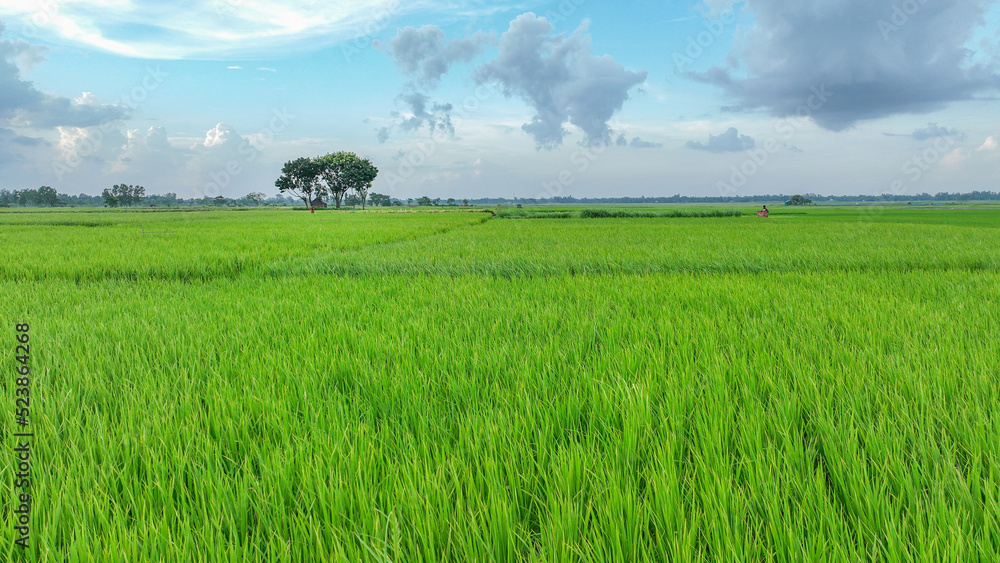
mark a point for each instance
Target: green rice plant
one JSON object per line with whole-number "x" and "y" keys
{"x": 442, "y": 387}
{"x": 671, "y": 213}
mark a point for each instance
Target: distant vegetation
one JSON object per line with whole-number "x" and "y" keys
{"x": 46, "y": 196}
{"x": 766, "y": 198}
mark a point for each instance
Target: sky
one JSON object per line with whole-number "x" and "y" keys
{"x": 528, "y": 99}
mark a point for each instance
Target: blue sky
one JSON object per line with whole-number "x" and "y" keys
{"x": 479, "y": 98}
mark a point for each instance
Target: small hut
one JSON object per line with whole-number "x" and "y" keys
{"x": 318, "y": 204}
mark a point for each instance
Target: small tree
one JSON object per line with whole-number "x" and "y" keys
{"x": 300, "y": 178}
{"x": 451, "y": 201}
{"x": 256, "y": 198}
{"x": 800, "y": 200}
{"x": 424, "y": 201}
{"x": 361, "y": 174}
{"x": 465, "y": 202}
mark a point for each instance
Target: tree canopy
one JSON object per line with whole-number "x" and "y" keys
{"x": 123, "y": 195}
{"x": 300, "y": 178}
{"x": 332, "y": 174}
{"x": 345, "y": 171}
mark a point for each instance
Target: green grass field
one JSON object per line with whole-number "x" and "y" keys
{"x": 272, "y": 385}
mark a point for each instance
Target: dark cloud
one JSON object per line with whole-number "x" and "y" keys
{"x": 844, "y": 61}
{"x": 21, "y": 104}
{"x": 425, "y": 55}
{"x": 932, "y": 131}
{"x": 730, "y": 141}
{"x": 10, "y": 136}
{"x": 560, "y": 78}
{"x": 437, "y": 118}
{"x": 637, "y": 143}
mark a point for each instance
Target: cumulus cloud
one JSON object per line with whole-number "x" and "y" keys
{"x": 94, "y": 146}
{"x": 636, "y": 143}
{"x": 990, "y": 144}
{"x": 955, "y": 159}
{"x": 147, "y": 150}
{"x": 730, "y": 141}
{"x": 220, "y": 162}
{"x": 22, "y": 105}
{"x": 221, "y": 135}
{"x": 844, "y": 61}
{"x": 425, "y": 55}
{"x": 560, "y": 79}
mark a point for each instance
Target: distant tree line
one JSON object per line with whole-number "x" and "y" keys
{"x": 122, "y": 195}
{"x": 127, "y": 195}
{"x": 436, "y": 202}
{"x": 44, "y": 196}
{"x": 940, "y": 196}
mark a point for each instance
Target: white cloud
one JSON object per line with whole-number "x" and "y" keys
{"x": 954, "y": 159}
{"x": 990, "y": 144}
{"x": 22, "y": 105}
{"x": 217, "y": 28}
{"x": 220, "y": 135}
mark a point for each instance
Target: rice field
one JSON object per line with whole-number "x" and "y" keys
{"x": 271, "y": 385}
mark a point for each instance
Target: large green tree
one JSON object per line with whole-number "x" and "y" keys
{"x": 127, "y": 194}
{"x": 345, "y": 171}
{"x": 47, "y": 197}
{"x": 300, "y": 178}
{"x": 110, "y": 200}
